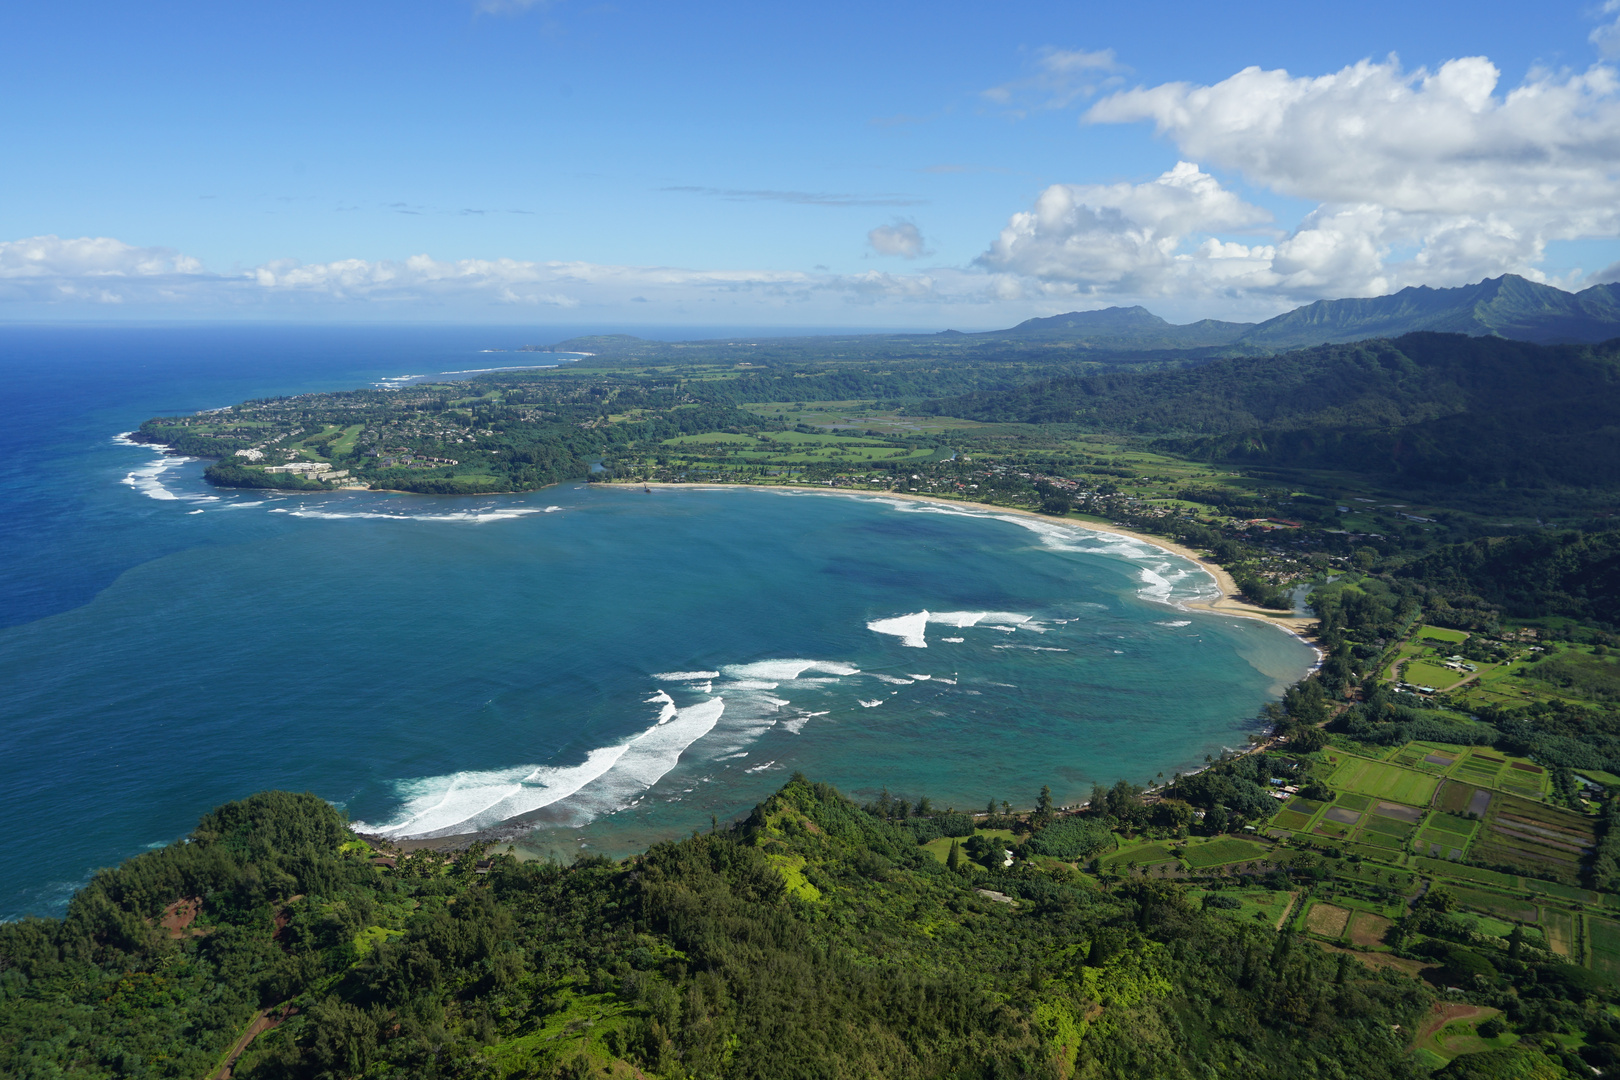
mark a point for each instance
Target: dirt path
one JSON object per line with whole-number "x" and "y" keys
{"x": 264, "y": 1021}
{"x": 1443, "y": 1014}
{"x": 1293, "y": 899}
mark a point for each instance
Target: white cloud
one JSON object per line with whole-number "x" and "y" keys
{"x": 96, "y": 269}
{"x": 50, "y": 273}
{"x": 902, "y": 238}
{"x": 1440, "y": 168}
{"x": 1128, "y": 238}
{"x": 1061, "y": 77}
{"x": 1607, "y": 36}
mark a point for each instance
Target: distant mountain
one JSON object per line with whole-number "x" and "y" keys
{"x": 1117, "y": 328}
{"x": 1509, "y": 306}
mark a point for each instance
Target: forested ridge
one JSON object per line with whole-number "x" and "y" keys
{"x": 1440, "y": 408}
{"x": 814, "y": 939}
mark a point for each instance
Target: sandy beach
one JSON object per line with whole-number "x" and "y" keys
{"x": 1230, "y": 601}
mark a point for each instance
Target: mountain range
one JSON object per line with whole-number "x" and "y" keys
{"x": 1507, "y": 307}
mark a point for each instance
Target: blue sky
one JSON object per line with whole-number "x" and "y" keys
{"x": 913, "y": 165}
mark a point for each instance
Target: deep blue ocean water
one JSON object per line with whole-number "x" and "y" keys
{"x": 605, "y": 666}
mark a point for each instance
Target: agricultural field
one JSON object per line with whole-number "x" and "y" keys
{"x": 1327, "y": 920}
{"x": 1535, "y": 836}
{"x": 1381, "y": 780}
{"x": 791, "y": 448}
{"x": 1223, "y": 851}
{"x": 1604, "y": 938}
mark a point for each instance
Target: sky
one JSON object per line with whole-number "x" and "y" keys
{"x": 900, "y": 165}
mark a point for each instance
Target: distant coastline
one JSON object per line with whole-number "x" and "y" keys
{"x": 1230, "y": 601}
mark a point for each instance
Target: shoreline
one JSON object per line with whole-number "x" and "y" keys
{"x": 505, "y": 833}
{"x": 1229, "y": 602}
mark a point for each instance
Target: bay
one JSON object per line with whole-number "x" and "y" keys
{"x": 609, "y": 667}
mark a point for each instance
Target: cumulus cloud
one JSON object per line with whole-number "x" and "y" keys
{"x": 96, "y": 269}
{"x": 1061, "y": 77}
{"x": 902, "y": 238}
{"x": 1129, "y": 238}
{"x": 1422, "y": 176}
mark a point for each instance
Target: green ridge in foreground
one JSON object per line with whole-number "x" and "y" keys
{"x": 871, "y": 959}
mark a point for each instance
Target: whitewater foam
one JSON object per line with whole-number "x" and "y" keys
{"x": 686, "y": 676}
{"x": 606, "y": 781}
{"x": 476, "y": 517}
{"x": 148, "y": 479}
{"x": 910, "y": 629}
{"x": 785, "y": 670}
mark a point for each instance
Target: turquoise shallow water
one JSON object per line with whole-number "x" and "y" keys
{"x": 604, "y": 666}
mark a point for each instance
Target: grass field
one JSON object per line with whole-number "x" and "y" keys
{"x": 1421, "y": 673}
{"x": 1437, "y": 633}
{"x": 941, "y": 848}
{"x": 1140, "y": 855}
{"x": 1290, "y": 819}
{"x": 1263, "y": 907}
{"x": 1605, "y": 938}
{"x": 1450, "y": 823}
{"x": 1327, "y": 920}
{"x": 1510, "y": 908}
{"x": 1384, "y": 781}
{"x": 1224, "y": 850}
{"x": 1559, "y": 927}
{"x": 1367, "y": 930}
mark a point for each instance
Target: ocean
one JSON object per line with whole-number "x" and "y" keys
{"x": 588, "y": 669}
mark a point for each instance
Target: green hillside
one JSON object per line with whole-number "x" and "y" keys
{"x": 1438, "y": 408}
{"x": 1509, "y": 306}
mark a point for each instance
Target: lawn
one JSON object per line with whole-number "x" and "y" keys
{"x": 1266, "y": 908}
{"x": 1420, "y": 673}
{"x": 1384, "y": 781}
{"x": 1435, "y": 633}
{"x": 941, "y": 847}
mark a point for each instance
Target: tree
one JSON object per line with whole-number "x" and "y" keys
{"x": 1044, "y": 804}
{"x": 953, "y": 861}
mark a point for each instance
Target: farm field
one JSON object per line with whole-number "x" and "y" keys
{"x": 1327, "y": 920}
{"x": 1384, "y": 781}
{"x": 1605, "y": 941}
{"x": 1224, "y": 851}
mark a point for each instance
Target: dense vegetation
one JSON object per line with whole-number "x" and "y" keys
{"x": 1433, "y": 408}
{"x": 813, "y": 939}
